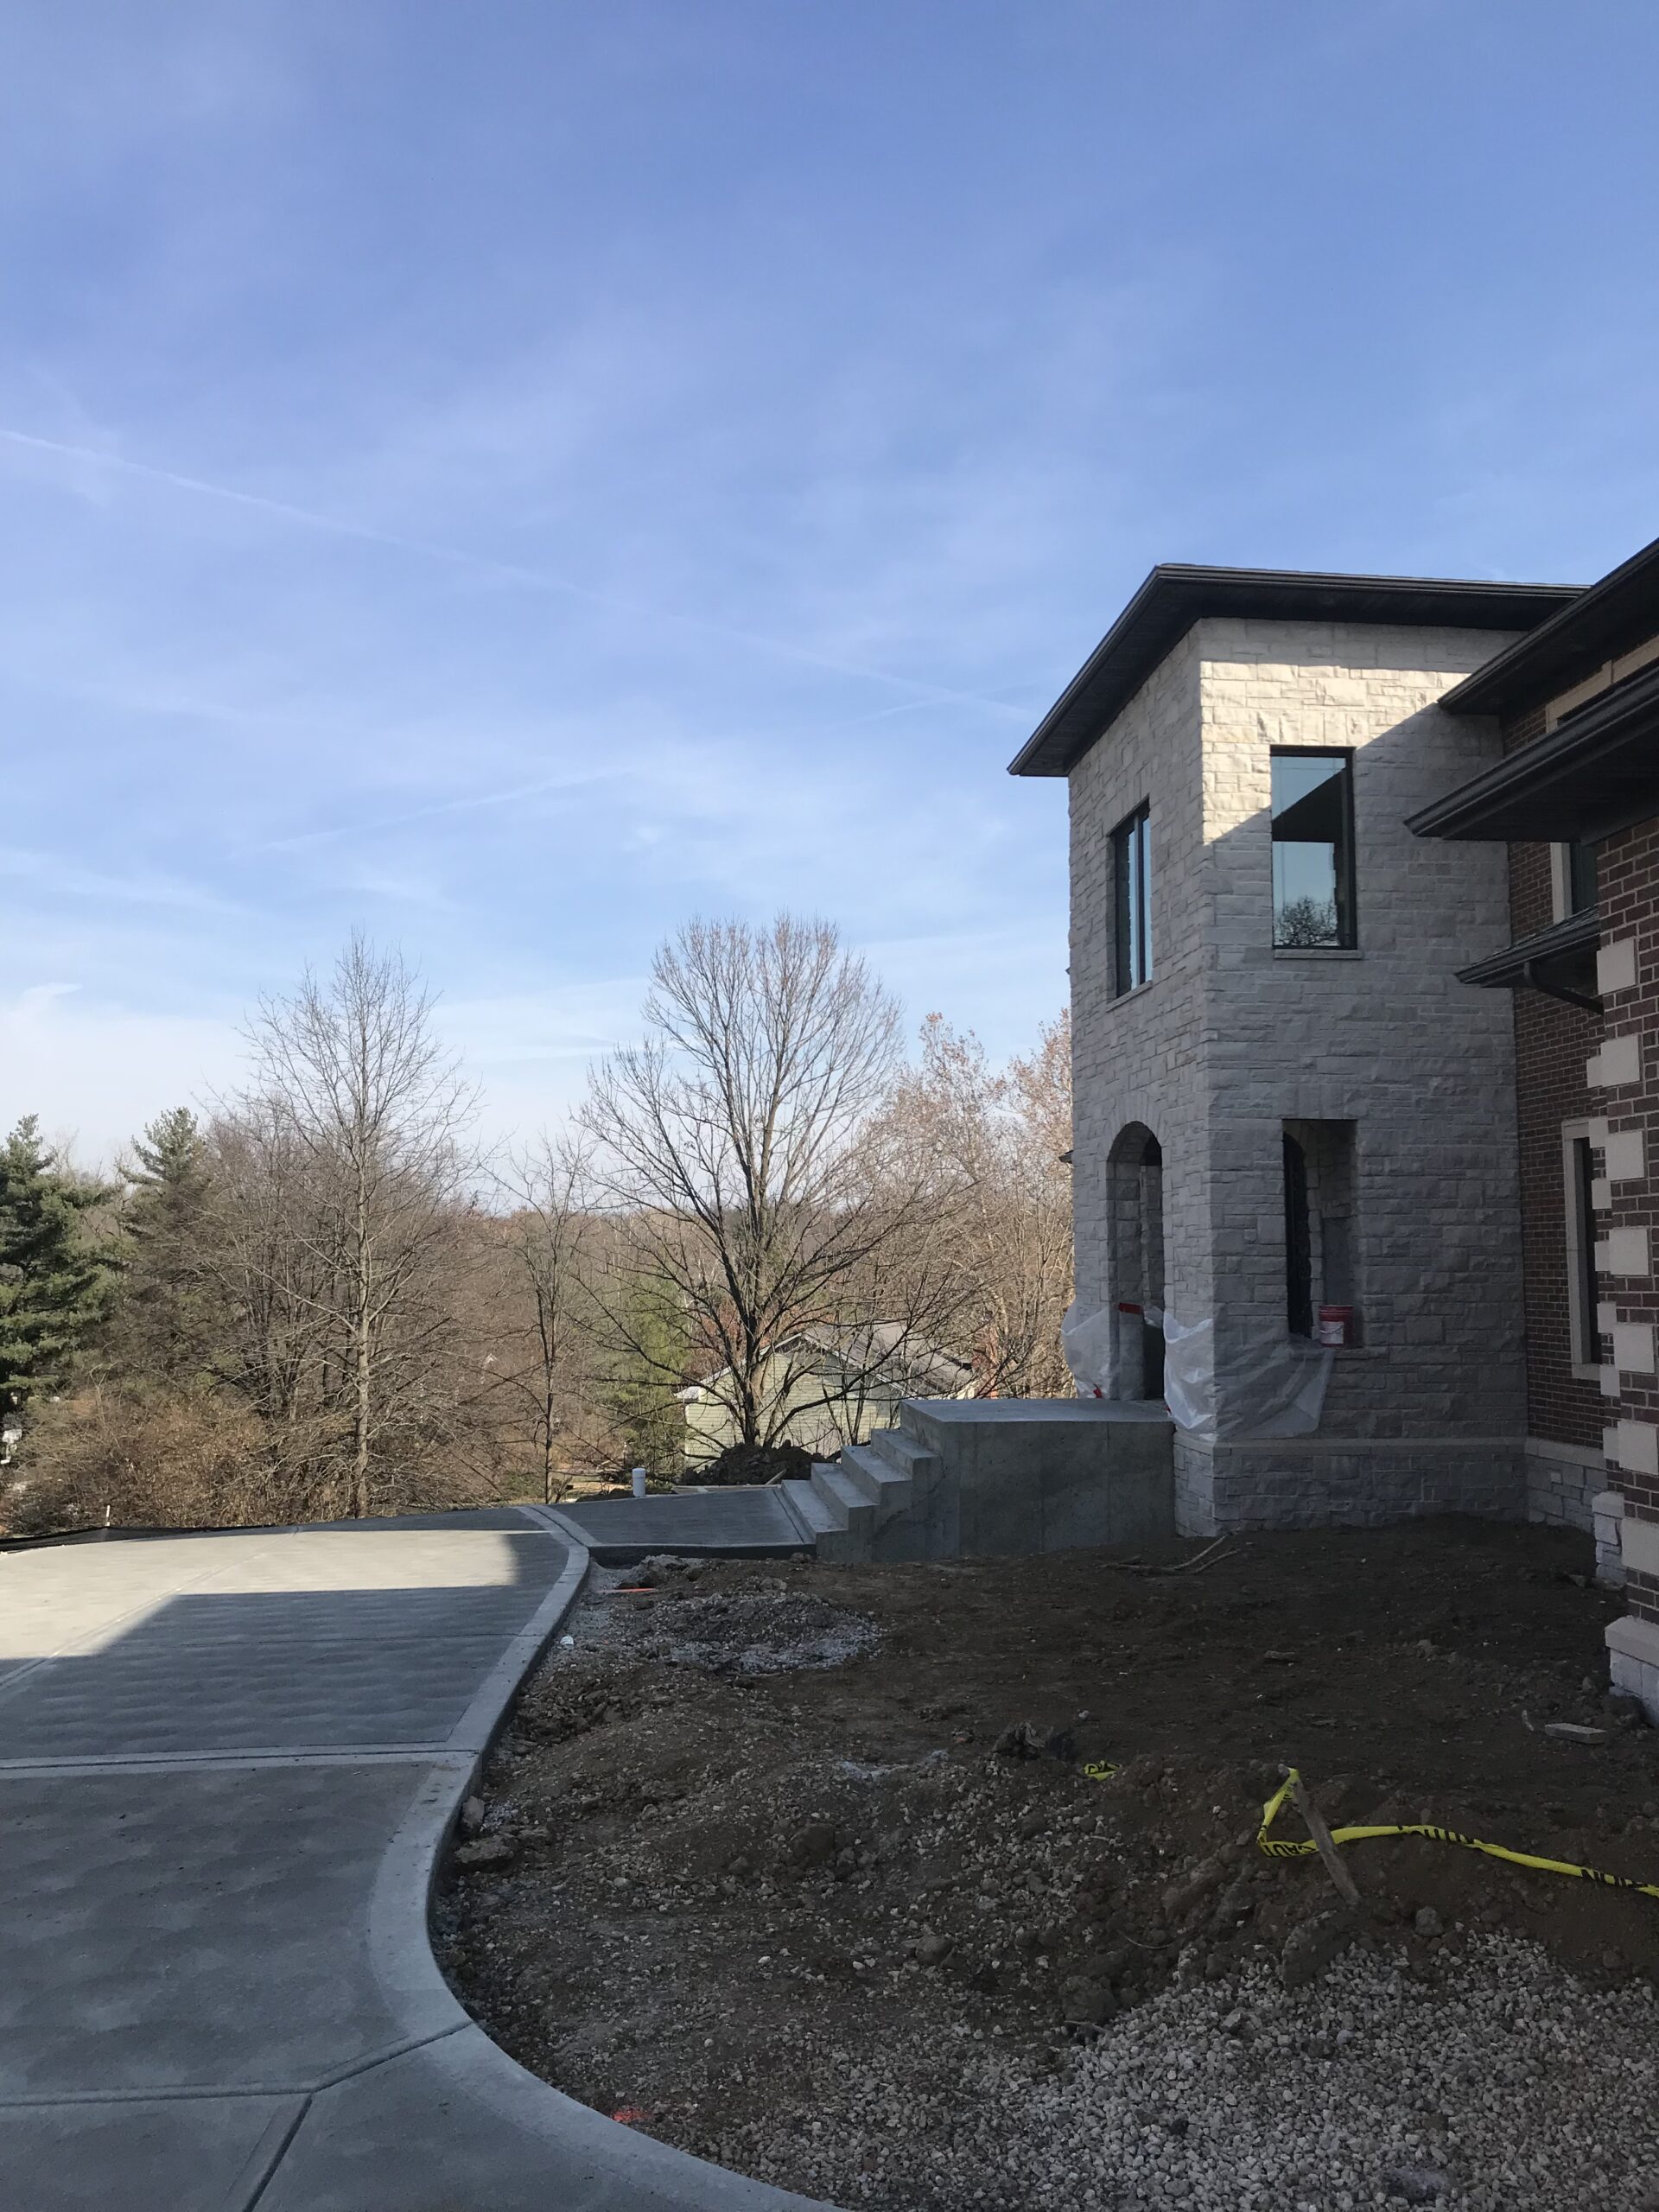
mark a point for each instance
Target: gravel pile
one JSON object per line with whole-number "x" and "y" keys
{"x": 1496, "y": 2083}
{"x": 762, "y": 1632}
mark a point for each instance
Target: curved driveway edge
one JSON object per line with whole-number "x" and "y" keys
{"x": 228, "y": 1765}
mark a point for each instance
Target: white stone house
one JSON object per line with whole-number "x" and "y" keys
{"x": 1284, "y": 1099}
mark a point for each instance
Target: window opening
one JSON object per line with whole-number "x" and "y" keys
{"x": 1298, "y": 1254}
{"x": 1582, "y": 1248}
{"x": 1320, "y": 1255}
{"x": 1312, "y": 851}
{"x": 1131, "y": 901}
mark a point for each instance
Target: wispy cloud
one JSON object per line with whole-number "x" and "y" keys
{"x": 512, "y": 572}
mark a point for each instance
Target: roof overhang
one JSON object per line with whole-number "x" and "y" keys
{"x": 1559, "y": 961}
{"x": 1595, "y": 772}
{"x": 1174, "y": 597}
{"x": 1621, "y": 610}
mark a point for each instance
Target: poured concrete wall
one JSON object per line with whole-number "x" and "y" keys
{"x": 1023, "y": 1475}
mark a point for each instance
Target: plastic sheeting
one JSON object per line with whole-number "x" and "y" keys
{"x": 1274, "y": 1388}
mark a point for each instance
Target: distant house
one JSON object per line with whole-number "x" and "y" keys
{"x": 837, "y": 1384}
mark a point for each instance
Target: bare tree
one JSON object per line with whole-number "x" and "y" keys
{"x": 755, "y": 1180}
{"x": 993, "y": 1143}
{"x": 350, "y": 1082}
{"x": 540, "y": 1364}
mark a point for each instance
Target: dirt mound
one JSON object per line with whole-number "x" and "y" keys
{"x": 744, "y": 1463}
{"x": 840, "y": 1925}
{"x": 762, "y": 1632}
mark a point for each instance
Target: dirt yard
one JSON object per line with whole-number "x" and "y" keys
{"x": 804, "y": 1869}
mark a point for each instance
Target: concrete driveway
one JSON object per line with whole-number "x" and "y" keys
{"x": 228, "y": 1764}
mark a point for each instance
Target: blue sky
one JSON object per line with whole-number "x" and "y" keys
{"x": 514, "y": 477}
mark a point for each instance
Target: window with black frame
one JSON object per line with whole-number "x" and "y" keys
{"x": 1581, "y": 1249}
{"x": 1583, "y": 890}
{"x": 1132, "y": 902}
{"x": 1314, "y": 850}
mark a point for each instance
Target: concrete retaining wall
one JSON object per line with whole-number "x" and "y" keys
{"x": 1024, "y": 1475}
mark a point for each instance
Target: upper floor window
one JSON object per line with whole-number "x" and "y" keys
{"x": 1131, "y": 901}
{"x": 1577, "y": 891}
{"x": 1313, "y": 848}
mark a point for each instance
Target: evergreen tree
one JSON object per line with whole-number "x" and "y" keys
{"x": 164, "y": 1325}
{"x": 650, "y": 1368}
{"x": 55, "y": 1283}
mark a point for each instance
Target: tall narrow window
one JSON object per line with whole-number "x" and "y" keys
{"x": 1314, "y": 850}
{"x": 1131, "y": 901}
{"x": 1298, "y": 1250}
{"x": 1581, "y": 1245}
{"x": 1582, "y": 890}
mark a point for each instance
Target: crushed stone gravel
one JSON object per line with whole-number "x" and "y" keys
{"x": 1496, "y": 2083}
{"x": 765, "y": 1632}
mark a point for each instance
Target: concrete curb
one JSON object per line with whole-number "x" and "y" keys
{"x": 230, "y": 1786}
{"x": 613, "y": 2169}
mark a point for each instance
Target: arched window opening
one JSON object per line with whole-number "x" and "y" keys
{"x": 1134, "y": 1173}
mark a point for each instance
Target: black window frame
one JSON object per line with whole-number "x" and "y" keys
{"x": 1131, "y": 901}
{"x": 1582, "y": 1248}
{"x": 1346, "y": 902}
{"x": 1582, "y": 878}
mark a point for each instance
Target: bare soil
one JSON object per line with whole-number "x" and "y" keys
{"x": 716, "y": 1883}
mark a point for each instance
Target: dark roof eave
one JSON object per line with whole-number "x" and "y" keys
{"x": 1579, "y": 932}
{"x": 1175, "y": 595}
{"x": 1620, "y": 610}
{"x": 1595, "y": 772}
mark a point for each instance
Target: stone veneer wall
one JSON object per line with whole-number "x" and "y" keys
{"x": 1231, "y": 1038}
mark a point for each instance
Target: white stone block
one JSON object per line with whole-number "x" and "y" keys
{"x": 1633, "y": 1346}
{"x": 1635, "y": 1639}
{"x": 1606, "y": 1317}
{"x": 1636, "y": 1450}
{"x": 1639, "y": 1545}
{"x": 1607, "y": 1377}
{"x": 1615, "y": 966}
{"x": 1622, "y": 1252}
{"x": 1618, "y": 1063}
{"x": 1601, "y": 1193}
{"x": 1624, "y": 1155}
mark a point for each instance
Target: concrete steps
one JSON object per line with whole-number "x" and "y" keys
{"x": 863, "y": 1507}
{"x": 845, "y": 1499}
{"x": 887, "y": 1488}
{"x": 825, "y": 1525}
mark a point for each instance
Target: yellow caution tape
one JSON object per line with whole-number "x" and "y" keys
{"x": 1276, "y": 1848}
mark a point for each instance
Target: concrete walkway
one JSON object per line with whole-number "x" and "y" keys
{"x": 746, "y": 1522}
{"x": 228, "y": 1764}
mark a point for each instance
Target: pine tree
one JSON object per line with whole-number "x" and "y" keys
{"x": 55, "y": 1283}
{"x": 649, "y": 1372}
{"x": 164, "y": 1324}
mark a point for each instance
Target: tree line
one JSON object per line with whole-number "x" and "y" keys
{"x": 317, "y": 1297}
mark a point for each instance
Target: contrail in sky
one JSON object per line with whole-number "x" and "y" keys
{"x": 484, "y": 564}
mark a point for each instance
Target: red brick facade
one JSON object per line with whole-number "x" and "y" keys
{"x": 1629, "y": 875}
{"x": 1552, "y": 1042}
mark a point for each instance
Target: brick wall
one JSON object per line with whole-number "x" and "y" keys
{"x": 1552, "y": 1042}
{"x": 1629, "y": 911}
